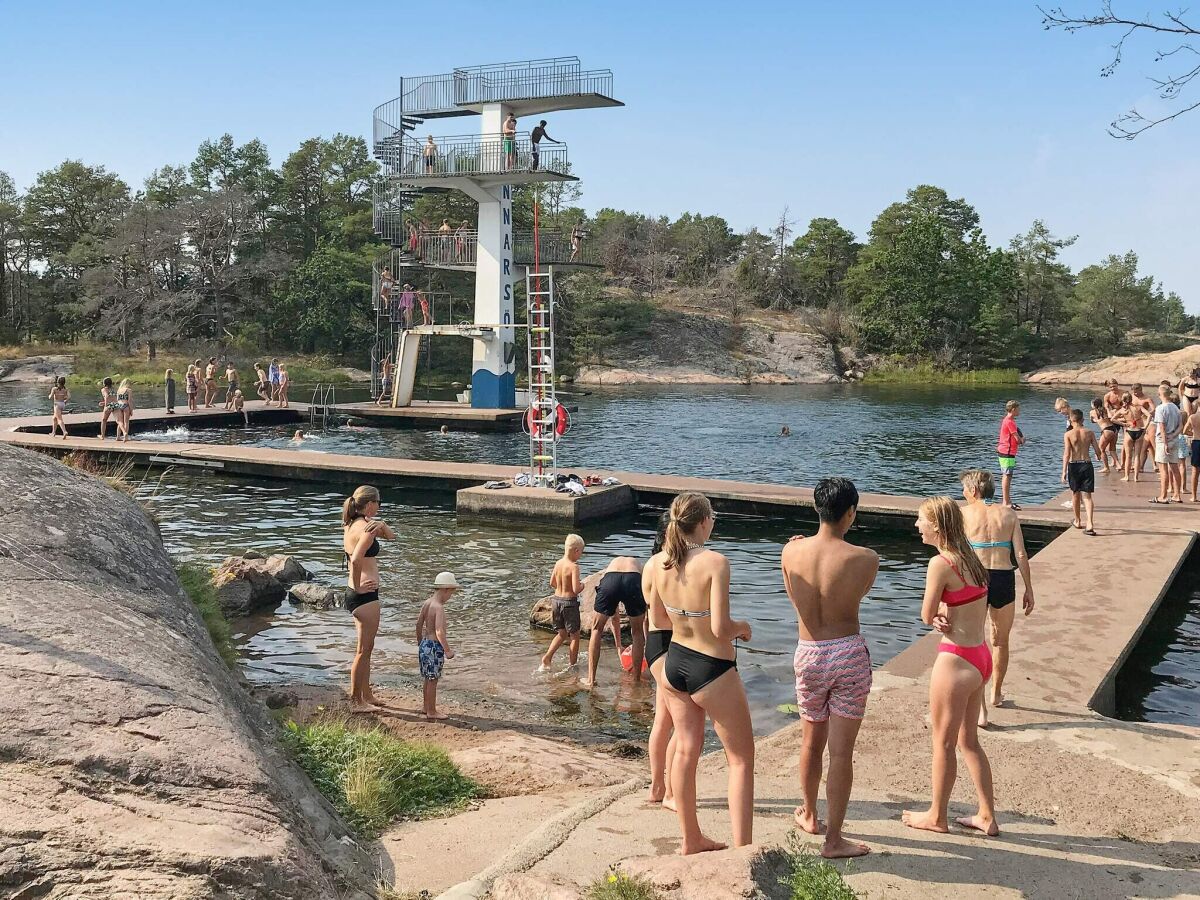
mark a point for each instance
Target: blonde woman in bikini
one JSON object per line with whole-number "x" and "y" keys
{"x": 361, "y": 530}
{"x": 1132, "y": 416}
{"x": 59, "y": 395}
{"x": 1109, "y": 432}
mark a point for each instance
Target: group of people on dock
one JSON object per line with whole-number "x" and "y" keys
{"x": 682, "y": 624}
{"x": 399, "y": 309}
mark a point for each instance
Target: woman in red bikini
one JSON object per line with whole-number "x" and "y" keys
{"x": 956, "y": 606}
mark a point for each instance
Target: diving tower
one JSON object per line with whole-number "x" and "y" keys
{"x": 486, "y": 166}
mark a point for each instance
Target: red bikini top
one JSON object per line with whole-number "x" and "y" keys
{"x": 968, "y": 593}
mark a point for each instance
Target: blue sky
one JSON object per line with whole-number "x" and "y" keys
{"x": 832, "y": 109}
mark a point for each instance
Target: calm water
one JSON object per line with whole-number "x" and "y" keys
{"x": 1161, "y": 680}
{"x": 888, "y": 439}
{"x": 910, "y": 440}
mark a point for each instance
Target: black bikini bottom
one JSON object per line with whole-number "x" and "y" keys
{"x": 689, "y": 671}
{"x": 657, "y": 643}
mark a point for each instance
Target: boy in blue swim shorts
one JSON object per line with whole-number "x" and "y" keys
{"x": 433, "y": 647}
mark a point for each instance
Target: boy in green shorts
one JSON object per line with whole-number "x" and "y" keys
{"x": 1006, "y": 449}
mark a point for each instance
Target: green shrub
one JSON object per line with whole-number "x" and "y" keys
{"x": 197, "y": 582}
{"x": 814, "y": 878}
{"x": 373, "y": 778}
{"x": 927, "y": 373}
{"x": 621, "y": 887}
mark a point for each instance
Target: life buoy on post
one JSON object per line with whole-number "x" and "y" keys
{"x": 561, "y": 420}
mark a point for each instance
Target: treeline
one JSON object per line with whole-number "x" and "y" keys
{"x": 231, "y": 249}
{"x": 226, "y": 248}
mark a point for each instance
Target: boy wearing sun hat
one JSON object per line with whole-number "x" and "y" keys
{"x": 433, "y": 647}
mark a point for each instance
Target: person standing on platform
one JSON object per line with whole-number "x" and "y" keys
{"x": 232, "y": 382}
{"x": 1078, "y": 472}
{"x": 1011, "y": 439}
{"x": 284, "y": 382}
{"x": 169, "y": 380}
{"x": 273, "y": 375}
{"x": 210, "y": 382}
{"x": 1191, "y": 430}
{"x": 59, "y": 395}
{"x": 385, "y": 290}
{"x": 192, "y": 384}
{"x": 431, "y": 154}
{"x": 407, "y": 298}
{"x": 576, "y": 241}
{"x": 1167, "y": 426}
{"x": 261, "y": 384}
{"x": 509, "y": 130}
{"x": 535, "y": 139}
{"x": 826, "y": 579}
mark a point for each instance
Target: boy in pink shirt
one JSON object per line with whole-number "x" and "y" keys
{"x": 1006, "y": 449}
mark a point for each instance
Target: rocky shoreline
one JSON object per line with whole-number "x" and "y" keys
{"x": 36, "y": 369}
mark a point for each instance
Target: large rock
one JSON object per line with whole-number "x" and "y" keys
{"x": 541, "y": 616}
{"x": 317, "y": 596}
{"x": 247, "y": 584}
{"x": 1147, "y": 368}
{"x": 132, "y": 764}
{"x": 286, "y": 569}
{"x": 747, "y": 873}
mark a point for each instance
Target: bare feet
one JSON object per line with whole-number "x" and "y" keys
{"x": 978, "y": 823}
{"x": 703, "y": 845}
{"x": 840, "y": 848}
{"x": 998, "y": 698}
{"x": 808, "y": 822}
{"x": 983, "y": 717}
{"x": 436, "y": 716}
{"x": 543, "y": 668}
{"x": 656, "y": 794}
{"x": 925, "y": 821}
{"x": 358, "y": 706}
{"x": 669, "y": 803}
{"x": 586, "y": 684}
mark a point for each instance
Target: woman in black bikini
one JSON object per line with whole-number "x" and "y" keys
{"x": 662, "y": 734}
{"x": 689, "y": 586}
{"x": 360, "y": 545}
{"x": 1109, "y": 433}
{"x": 1133, "y": 418}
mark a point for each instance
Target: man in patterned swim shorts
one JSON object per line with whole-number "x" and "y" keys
{"x": 826, "y": 580}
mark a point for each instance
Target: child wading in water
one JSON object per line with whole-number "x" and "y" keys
{"x": 566, "y": 584}
{"x": 1077, "y": 470}
{"x": 433, "y": 648}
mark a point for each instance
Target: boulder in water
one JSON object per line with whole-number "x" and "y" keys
{"x": 317, "y": 596}
{"x": 244, "y": 586}
{"x": 285, "y": 568}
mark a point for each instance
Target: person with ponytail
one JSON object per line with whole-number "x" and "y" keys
{"x": 955, "y": 604}
{"x": 688, "y": 586}
{"x": 662, "y": 735}
{"x": 361, "y": 530}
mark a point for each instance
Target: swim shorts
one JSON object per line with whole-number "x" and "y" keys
{"x": 1196, "y": 454}
{"x": 508, "y": 145}
{"x": 1166, "y": 452}
{"x": 833, "y": 677}
{"x": 1007, "y": 463}
{"x": 624, "y": 588}
{"x": 432, "y": 657}
{"x": 1002, "y": 587}
{"x": 564, "y": 615}
{"x": 1081, "y": 477}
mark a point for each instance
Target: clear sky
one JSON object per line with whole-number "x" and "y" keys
{"x": 830, "y": 108}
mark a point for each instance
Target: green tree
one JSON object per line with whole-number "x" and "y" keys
{"x": 326, "y": 305}
{"x": 71, "y": 211}
{"x": 823, "y": 255}
{"x": 1110, "y": 299}
{"x": 1043, "y": 283}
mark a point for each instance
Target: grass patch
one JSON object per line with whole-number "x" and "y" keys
{"x": 813, "y": 877}
{"x": 373, "y": 778}
{"x": 115, "y": 472}
{"x": 197, "y": 582}
{"x": 927, "y": 373}
{"x": 619, "y": 886}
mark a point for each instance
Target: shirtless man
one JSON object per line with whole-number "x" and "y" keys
{"x": 621, "y": 584}
{"x": 210, "y": 382}
{"x": 510, "y": 141}
{"x": 232, "y": 380}
{"x": 1146, "y": 404}
{"x": 1077, "y": 469}
{"x": 1112, "y": 399}
{"x": 826, "y": 580}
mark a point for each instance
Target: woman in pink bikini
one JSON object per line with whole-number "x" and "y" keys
{"x": 955, "y": 604}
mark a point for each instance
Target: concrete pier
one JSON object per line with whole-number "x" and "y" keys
{"x": 542, "y": 505}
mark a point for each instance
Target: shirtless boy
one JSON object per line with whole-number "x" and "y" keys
{"x": 433, "y": 647}
{"x": 1191, "y": 430}
{"x": 1077, "y": 471}
{"x": 566, "y": 584}
{"x": 210, "y": 382}
{"x": 826, "y": 580}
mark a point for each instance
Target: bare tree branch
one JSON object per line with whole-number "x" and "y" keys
{"x": 1132, "y": 123}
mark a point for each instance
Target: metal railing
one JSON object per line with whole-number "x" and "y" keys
{"x": 389, "y": 204}
{"x": 470, "y": 155}
{"x": 446, "y": 94}
{"x": 437, "y": 248}
{"x": 407, "y": 309}
{"x": 323, "y": 400}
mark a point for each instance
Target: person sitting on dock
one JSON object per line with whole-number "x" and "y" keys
{"x": 509, "y": 131}
{"x": 566, "y": 584}
{"x": 433, "y": 647}
{"x": 1078, "y": 471}
{"x": 826, "y": 579}
{"x": 210, "y": 383}
{"x": 59, "y": 395}
{"x": 621, "y": 584}
{"x": 239, "y": 405}
{"x": 1010, "y": 440}
{"x": 232, "y": 384}
{"x": 994, "y": 533}
{"x": 535, "y": 139}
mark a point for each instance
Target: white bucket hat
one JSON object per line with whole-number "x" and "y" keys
{"x": 446, "y": 580}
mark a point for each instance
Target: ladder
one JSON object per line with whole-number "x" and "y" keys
{"x": 543, "y": 406}
{"x": 323, "y": 399}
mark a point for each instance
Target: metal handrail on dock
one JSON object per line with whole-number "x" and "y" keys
{"x": 324, "y": 399}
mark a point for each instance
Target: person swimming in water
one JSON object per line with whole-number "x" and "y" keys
{"x": 688, "y": 585}
{"x": 956, "y": 588}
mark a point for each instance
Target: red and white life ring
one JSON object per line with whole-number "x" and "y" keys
{"x": 562, "y": 420}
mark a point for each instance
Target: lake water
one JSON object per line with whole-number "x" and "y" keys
{"x": 908, "y": 440}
